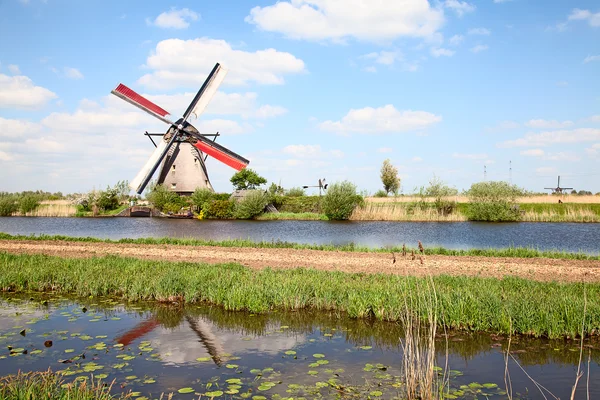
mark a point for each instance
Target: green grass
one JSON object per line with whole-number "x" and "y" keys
{"x": 470, "y": 303}
{"x": 518, "y": 252}
{"x": 49, "y": 386}
{"x": 305, "y": 216}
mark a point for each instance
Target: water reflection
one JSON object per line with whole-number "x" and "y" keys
{"x": 163, "y": 348}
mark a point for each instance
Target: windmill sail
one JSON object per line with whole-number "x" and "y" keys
{"x": 141, "y": 102}
{"x": 221, "y": 153}
{"x": 206, "y": 92}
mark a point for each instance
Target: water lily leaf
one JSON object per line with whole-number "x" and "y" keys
{"x": 490, "y": 385}
{"x": 185, "y": 390}
{"x": 101, "y": 376}
{"x": 35, "y": 352}
{"x": 318, "y": 355}
{"x": 366, "y": 347}
{"x": 376, "y": 393}
{"x": 216, "y": 393}
{"x": 290, "y": 352}
{"x": 313, "y": 372}
{"x": 203, "y": 359}
{"x": 256, "y": 371}
{"x": 231, "y": 366}
{"x": 234, "y": 381}
{"x": 313, "y": 365}
{"x": 69, "y": 350}
{"x": 131, "y": 377}
{"x": 150, "y": 380}
{"x": 322, "y": 362}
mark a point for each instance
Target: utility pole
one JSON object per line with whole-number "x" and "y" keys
{"x": 510, "y": 172}
{"x": 484, "y": 173}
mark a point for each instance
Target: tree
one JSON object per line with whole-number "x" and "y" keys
{"x": 389, "y": 177}
{"x": 247, "y": 179}
{"x": 440, "y": 191}
{"x": 340, "y": 200}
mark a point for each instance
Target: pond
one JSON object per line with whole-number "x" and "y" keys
{"x": 571, "y": 237}
{"x": 153, "y": 349}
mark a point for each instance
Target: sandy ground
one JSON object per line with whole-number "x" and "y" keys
{"x": 541, "y": 269}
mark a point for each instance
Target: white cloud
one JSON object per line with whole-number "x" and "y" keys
{"x": 479, "y": 31}
{"x": 242, "y": 104}
{"x": 474, "y": 157}
{"x": 416, "y": 159}
{"x": 223, "y": 126}
{"x": 14, "y": 69}
{"x": 533, "y": 153}
{"x": 501, "y": 1}
{"x": 73, "y": 73}
{"x": 438, "y": 52}
{"x": 554, "y": 137}
{"x": 338, "y": 20}
{"x": 594, "y": 118}
{"x": 20, "y": 92}
{"x": 385, "y": 150}
{"x": 459, "y": 7}
{"x": 186, "y": 63}
{"x": 593, "y": 151}
{"x": 381, "y": 120}
{"x": 310, "y": 151}
{"x": 562, "y": 156}
{"x": 15, "y": 128}
{"x": 503, "y": 126}
{"x": 4, "y": 156}
{"x": 585, "y": 15}
{"x": 456, "y": 40}
{"x": 479, "y": 48}
{"x": 175, "y": 19}
{"x": 546, "y": 124}
{"x": 591, "y": 58}
{"x": 370, "y": 69}
{"x": 383, "y": 57}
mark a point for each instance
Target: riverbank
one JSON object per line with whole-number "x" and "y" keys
{"x": 382, "y": 289}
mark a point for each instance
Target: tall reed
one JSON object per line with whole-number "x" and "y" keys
{"x": 401, "y": 212}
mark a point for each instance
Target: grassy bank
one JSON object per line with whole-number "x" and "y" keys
{"x": 518, "y": 252}
{"x": 49, "y": 386}
{"x": 510, "y": 304}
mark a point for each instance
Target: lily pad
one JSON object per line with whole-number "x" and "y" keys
{"x": 186, "y": 390}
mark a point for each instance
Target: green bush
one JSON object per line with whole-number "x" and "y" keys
{"x": 295, "y": 192}
{"x": 494, "y": 202}
{"x": 250, "y": 206}
{"x": 380, "y": 193}
{"x": 300, "y": 204}
{"x": 201, "y": 197}
{"x": 340, "y": 200}
{"x": 221, "y": 196}
{"x": 160, "y": 196}
{"x": 247, "y": 179}
{"x": 28, "y": 203}
{"x": 221, "y": 209}
{"x": 8, "y": 205}
{"x": 172, "y": 207}
{"x": 108, "y": 199}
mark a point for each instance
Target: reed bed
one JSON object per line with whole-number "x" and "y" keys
{"x": 49, "y": 386}
{"x": 401, "y": 212}
{"x": 280, "y": 216}
{"x": 509, "y": 305}
{"x": 569, "y": 215}
{"x": 565, "y": 198}
{"x": 518, "y": 252}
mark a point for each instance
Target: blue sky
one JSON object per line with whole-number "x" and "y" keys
{"x": 316, "y": 88}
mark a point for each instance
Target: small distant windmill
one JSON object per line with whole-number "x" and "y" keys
{"x": 558, "y": 189}
{"x": 182, "y": 148}
{"x": 322, "y": 186}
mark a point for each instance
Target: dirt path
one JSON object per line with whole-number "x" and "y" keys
{"x": 541, "y": 269}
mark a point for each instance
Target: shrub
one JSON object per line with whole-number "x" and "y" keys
{"x": 247, "y": 179}
{"x": 8, "y": 205}
{"x": 221, "y": 209}
{"x": 301, "y": 204}
{"x": 160, "y": 196}
{"x": 250, "y": 206}
{"x": 439, "y": 191}
{"x": 380, "y": 193}
{"x": 494, "y": 201}
{"x": 108, "y": 199}
{"x": 340, "y": 200}
{"x": 28, "y": 203}
{"x": 201, "y": 197}
{"x": 172, "y": 207}
{"x": 295, "y": 192}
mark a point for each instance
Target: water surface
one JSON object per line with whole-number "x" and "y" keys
{"x": 571, "y": 237}
{"x": 154, "y": 349}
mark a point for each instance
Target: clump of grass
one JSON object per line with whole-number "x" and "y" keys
{"x": 517, "y": 252}
{"x": 49, "y": 386}
{"x": 475, "y": 304}
{"x": 305, "y": 216}
{"x": 402, "y": 212}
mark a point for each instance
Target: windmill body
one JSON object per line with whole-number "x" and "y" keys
{"x": 182, "y": 151}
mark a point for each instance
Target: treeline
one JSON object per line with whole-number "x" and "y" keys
{"x": 24, "y": 202}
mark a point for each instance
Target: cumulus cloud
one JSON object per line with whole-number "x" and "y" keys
{"x": 383, "y": 57}
{"x": 456, "y": 40}
{"x": 73, "y": 73}
{"x": 310, "y": 151}
{"x": 185, "y": 63}
{"x": 479, "y": 48}
{"x": 20, "y": 92}
{"x": 503, "y": 126}
{"x": 479, "y": 31}
{"x": 589, "y": 59}
{"x": 533, "y": 153}
{"x": 593, "y": 151}
{"x": 175, "y": 19}
{"x": 554, "y": 137}
{"x": 545, "y": 170}
{"x": 459, "y": 7}
{"x": 15, "y": 128}
{"x": 14, "y": 69}
{"x": 360, "y": 19}
{"x": 384, "y": 119}
{"x": 546, "y": 124}
{"x": 593, "y": 19}
{"x": 438, "y": 52}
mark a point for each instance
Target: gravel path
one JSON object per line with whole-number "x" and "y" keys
{"x": 541, "y": 269}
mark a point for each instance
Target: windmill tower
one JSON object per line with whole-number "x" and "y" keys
{"x": 182, "y": 150}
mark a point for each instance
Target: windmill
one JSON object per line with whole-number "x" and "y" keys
{"x": 182, "y": 150}
{"x": 322, "y": 186}
{"x": 558, "y": 189}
